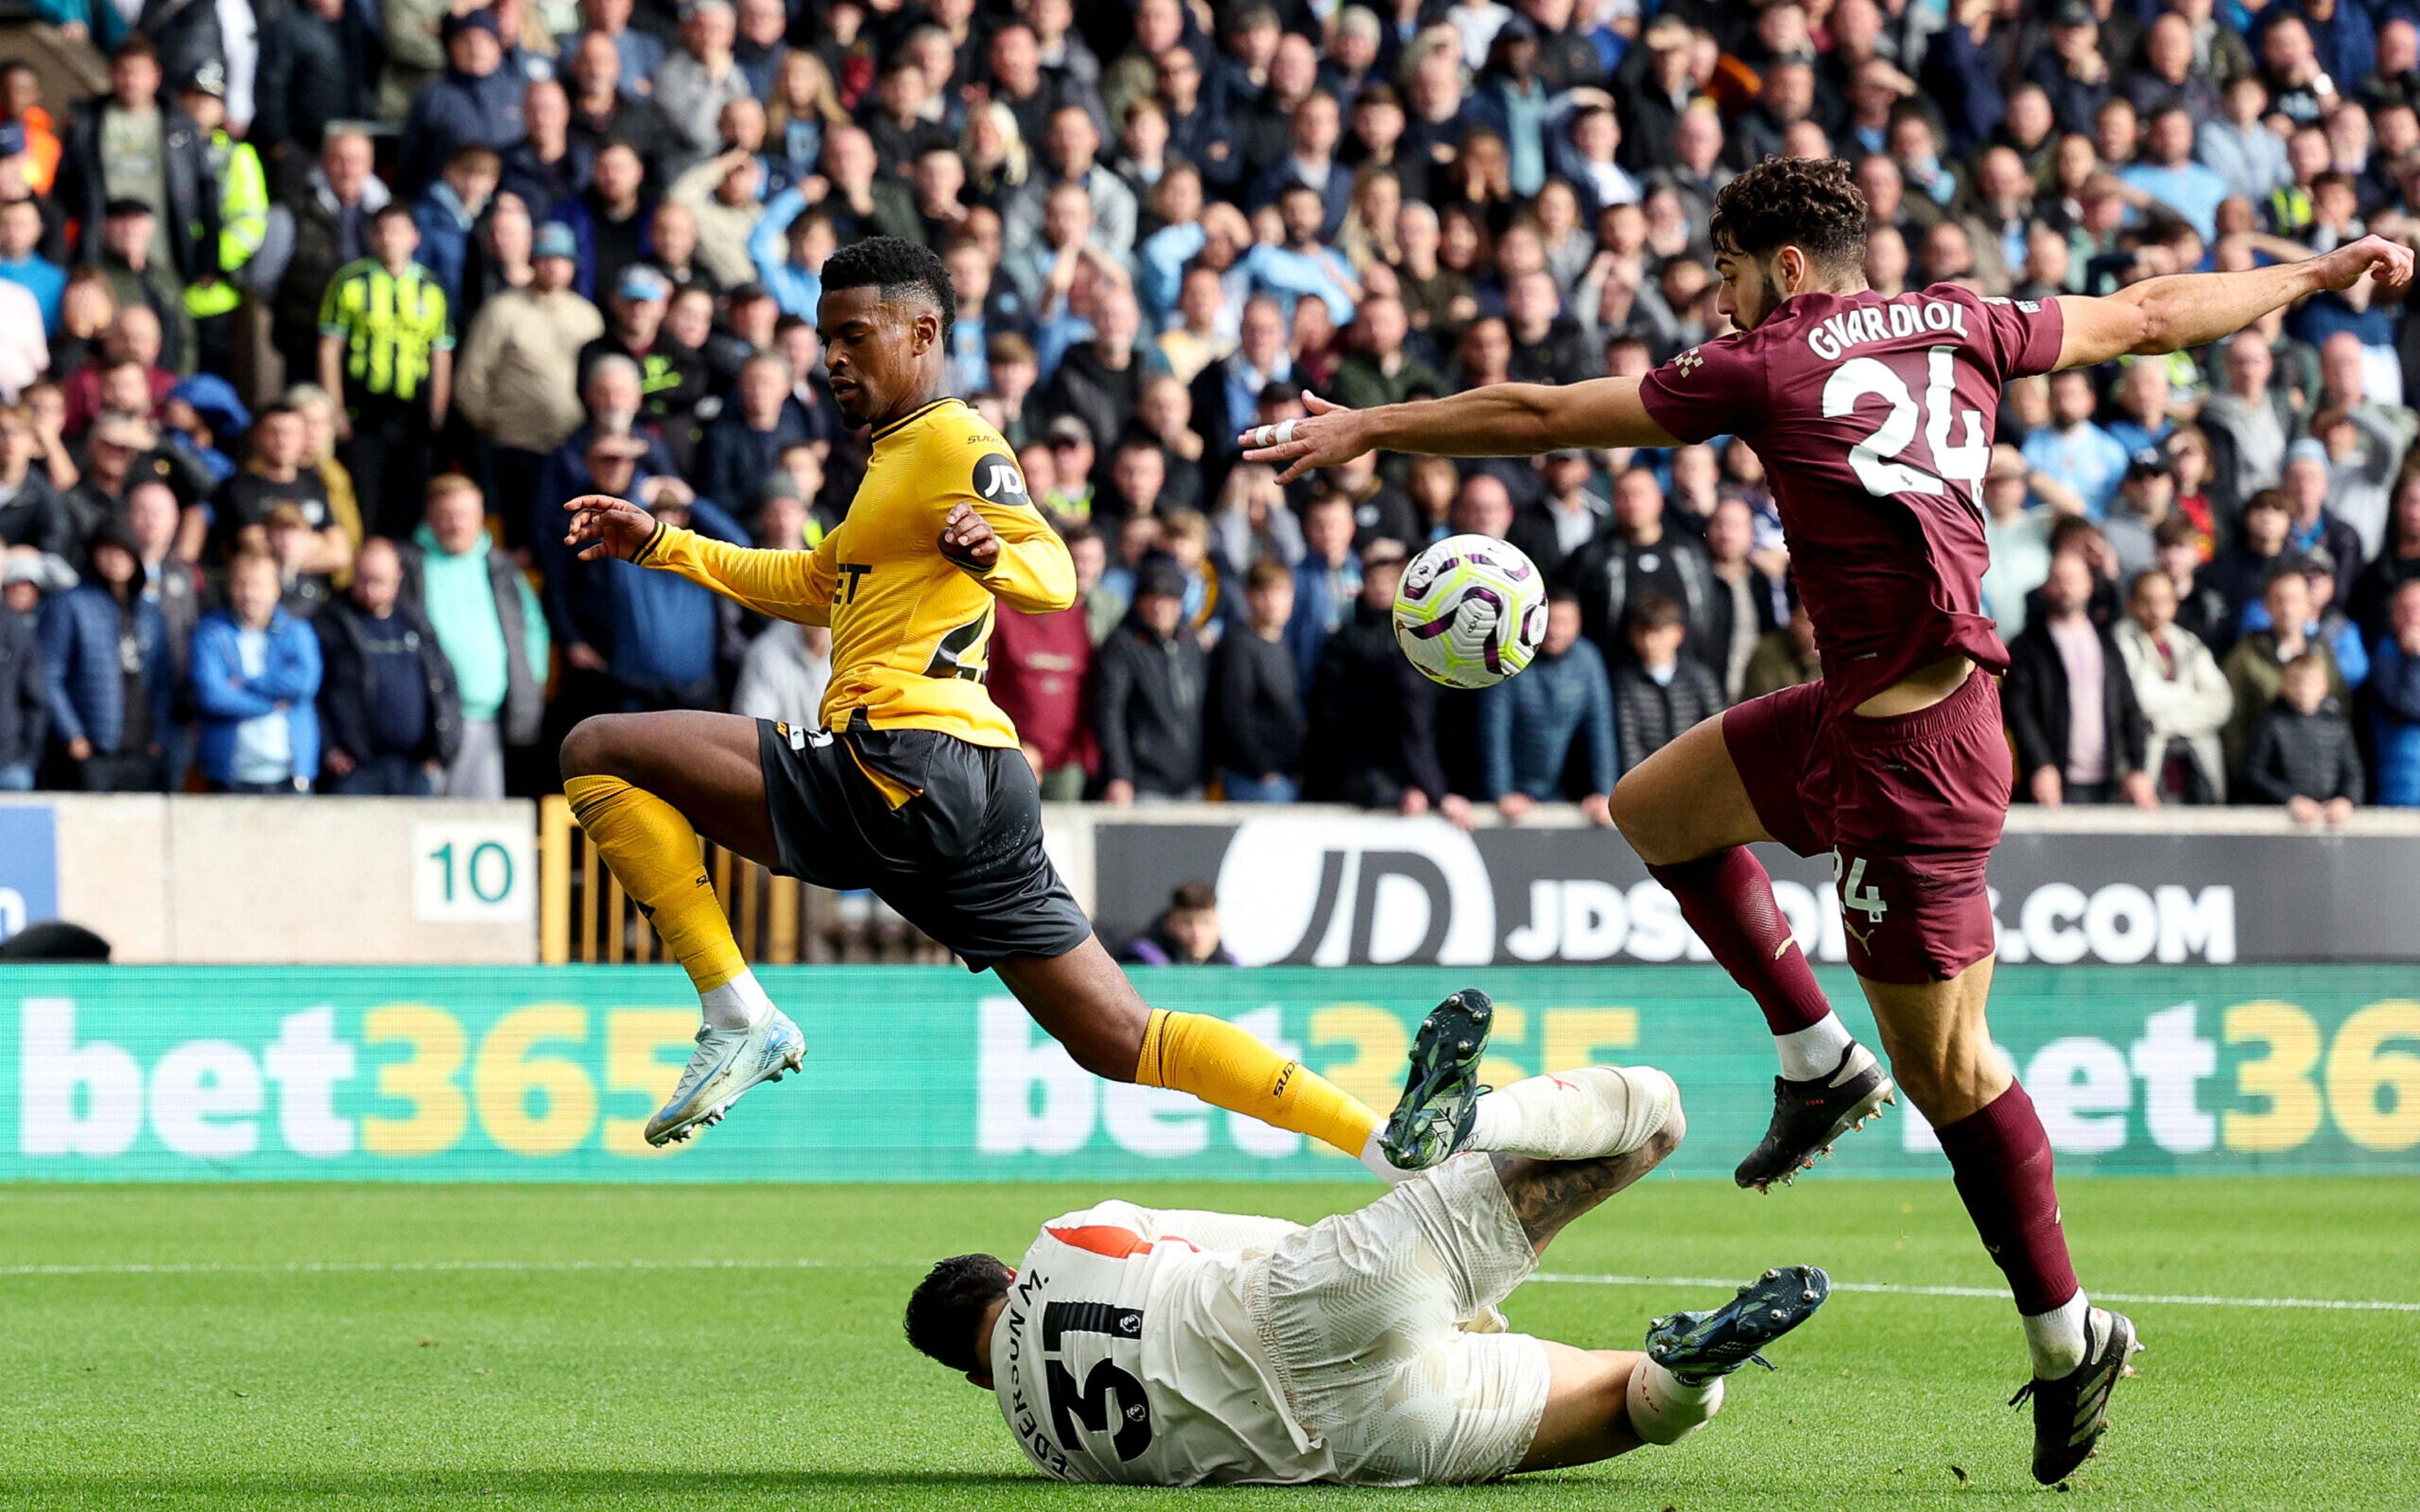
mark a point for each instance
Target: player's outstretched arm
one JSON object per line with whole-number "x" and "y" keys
{"x": 786, "y": 585}
{"x": 1500, "y": 420}
{"x": 2188, "y": 310}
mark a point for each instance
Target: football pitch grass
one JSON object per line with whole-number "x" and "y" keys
{"x": 738, "y": 1347}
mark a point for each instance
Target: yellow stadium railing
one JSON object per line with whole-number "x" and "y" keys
{"x": 585, "y": 917}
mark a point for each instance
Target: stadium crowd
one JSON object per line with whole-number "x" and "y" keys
{"x": 313, "y": 316}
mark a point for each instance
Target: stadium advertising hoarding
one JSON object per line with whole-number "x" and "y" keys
{"x": 160, "y": 1073}
{"x": 1379, "y": 890}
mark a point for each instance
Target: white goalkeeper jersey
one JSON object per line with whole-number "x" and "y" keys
{"x": 1127, "y": 1353}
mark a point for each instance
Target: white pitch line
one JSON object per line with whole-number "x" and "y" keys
{"x": 1551, "y": 1278}
{"x": 1887, "y": 1289}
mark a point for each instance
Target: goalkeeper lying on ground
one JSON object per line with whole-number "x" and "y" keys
{"x": 1175, "y": 1349}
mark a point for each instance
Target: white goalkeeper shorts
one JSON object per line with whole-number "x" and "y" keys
{"x": 1358, "y": 1314}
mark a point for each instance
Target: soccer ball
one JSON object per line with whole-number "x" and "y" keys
{"x": 1470, "y": 611}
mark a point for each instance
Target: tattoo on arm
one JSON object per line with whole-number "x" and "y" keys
{"x": 1549, "y": 1193}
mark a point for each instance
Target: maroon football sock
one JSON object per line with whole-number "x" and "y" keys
{"x": 2001, "y": 1157}
{"x": 1727, "y": 899}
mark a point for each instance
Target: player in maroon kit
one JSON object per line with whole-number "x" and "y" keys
{"x": 1874, "y": 418}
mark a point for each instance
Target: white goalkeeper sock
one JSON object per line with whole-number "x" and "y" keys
{"x": 1583, "y": 1113}
{"x": 737, "y": 1004}
{"x": 1374, "y": 1159}
{"x": 1663, "y": 1409}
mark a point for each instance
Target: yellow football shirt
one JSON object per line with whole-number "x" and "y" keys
{"x": 910, "y": 628}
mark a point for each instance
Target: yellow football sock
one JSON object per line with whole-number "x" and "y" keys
{"x": 654, "y": 851}
{"x": 1228, "y": 1068}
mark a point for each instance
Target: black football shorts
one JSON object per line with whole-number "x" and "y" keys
{"x": 961, "y": 859}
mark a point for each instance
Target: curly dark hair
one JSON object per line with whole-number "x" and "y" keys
{"x": 1809, "y": 203}
{"x": 901, "y": 268}
{"x": 946, "y": 1307}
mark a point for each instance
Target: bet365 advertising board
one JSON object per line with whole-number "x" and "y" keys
{"x": 169, "y": 1074}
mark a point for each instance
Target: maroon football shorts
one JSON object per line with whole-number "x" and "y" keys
{"x": 1909, "y": 806}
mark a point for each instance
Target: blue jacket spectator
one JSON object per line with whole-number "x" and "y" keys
{"x": 256, "y": 682}
{"x": 21, "y": 234}
{"x": 445, "y": 223}
{"x": 743, "y": 446}
{"x": 1325, "y": 583}
{"x": 796, "y": 287}
{"x": 2394, "y": 689}
{"x": 113, "y": 718}
{"x": 665, "y": 633}
{"x": 2073, "y": 449}
{"x": 1528, "y": 724}
{"x": 475, "y": 103}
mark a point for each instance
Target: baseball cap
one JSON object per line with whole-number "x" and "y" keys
{"x": 2309, "y": 449}
{"x": 2148, "y": 460}
{"x": 123, "y": 207}
{"x": 1068, "y": 431}
{"x": 24, "y": 569}
{"x": 1516, "y": 30}
{"x": 209, "y": 79}
{"x": 555, "y": 239}
{"x": 483, "y": 21}
{"x": 2074, "y": 13}
{"x": 640, "y": 282}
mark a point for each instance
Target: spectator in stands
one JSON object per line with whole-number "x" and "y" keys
{"x": 517, "y": 376}
{"x": 314, "y": 70}
{"x": 386, "y": 344}
{"x": 1326, "y": 582}
{"x": 1570, "y": 515}
{"x": 1040, "y": 665}
{"x": 1657, "y": 692}
{"x": 131, "y": 145}
{"x": 489, "y": 626}
{"x": 24, "y": 695}
{"x": 1186, "y": 934}
{"x": 1256, "y": 724}
{"x": 2313, "y": 527}
{"x": 32, "y": 513}
{"x": 1149, "y": 694}
{"x": 316, "y": 228}
{"x": 1372, "y": 729}
{"x": 475, "y": 103}
{"x": 2398, "y": 564}
{"x": 256, "y": 682}
{"x": 2301, "y": 752}
{"x": 1641, "y": 555}
{"x": 2183, "y": 696}
{"x": 279, "y": 474}
{"x": 1529, "y": 726}
{"x": 1747, "y": 603}
{"x": 390, "y": 714}
{"x": 2395, "y": 692}
{"x": 105, "y": 655}
{"x": 1784, "y": 658}
{"x": 2072, "y": 449}
{"x": 2241, "y": 572}
{"x": 744, "y": 445}
{"x": 2255, "y": 668}
{"x": 2079, "y": 732}
{"x": 450, "y": 208}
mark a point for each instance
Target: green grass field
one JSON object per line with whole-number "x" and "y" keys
{"x": 569, "y": 1348}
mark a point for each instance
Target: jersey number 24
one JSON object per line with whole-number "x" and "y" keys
{"x": 1875, "y": 458}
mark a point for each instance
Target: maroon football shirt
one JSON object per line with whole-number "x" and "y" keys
{"x": 1874, "y": 419}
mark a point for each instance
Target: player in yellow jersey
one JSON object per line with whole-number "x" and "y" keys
{"x": 917, "y": 787}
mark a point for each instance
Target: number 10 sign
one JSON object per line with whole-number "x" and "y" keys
{"x": 472, "y": 873}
